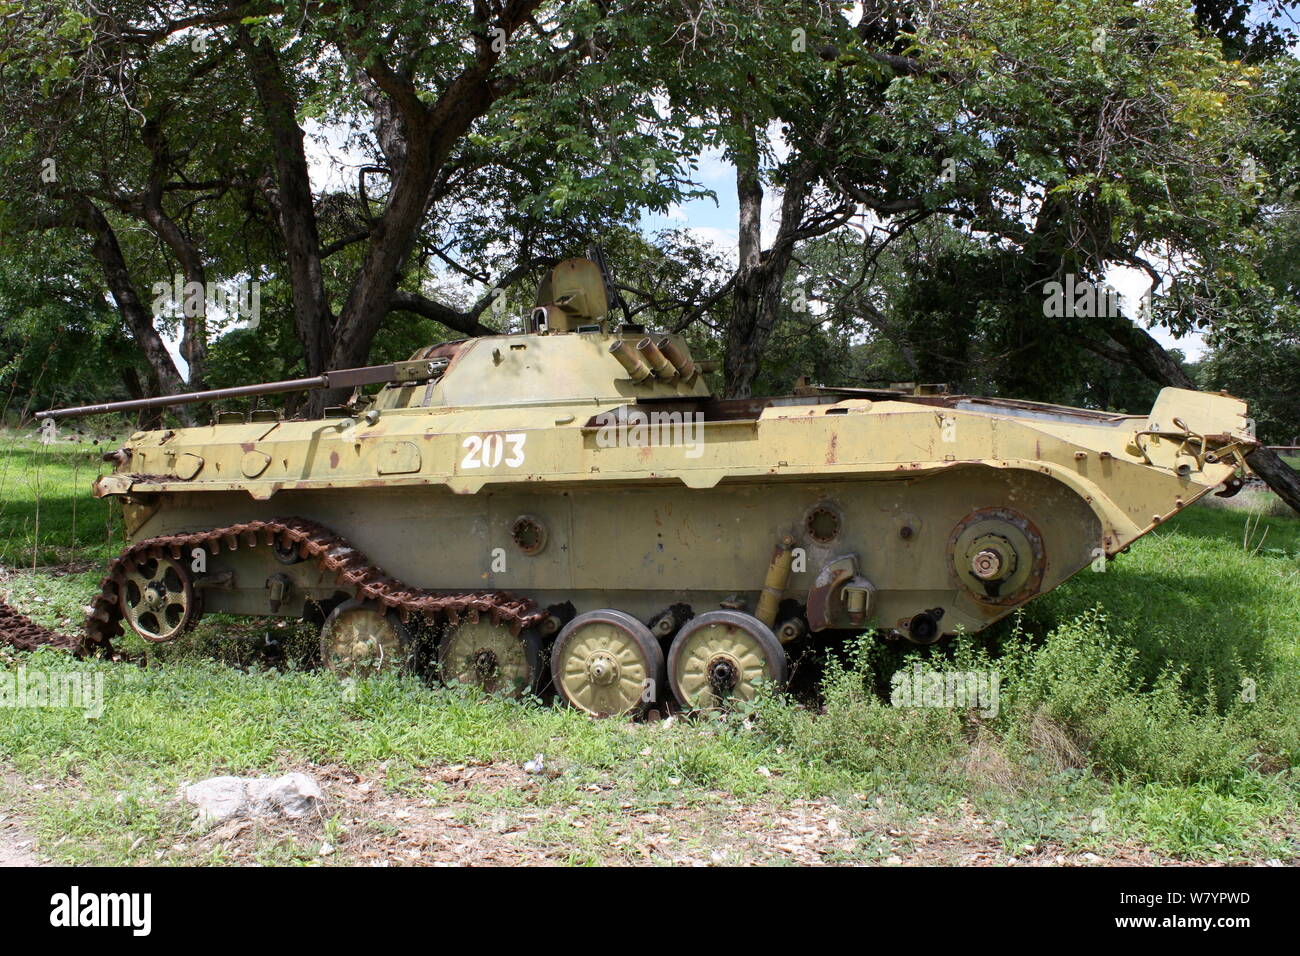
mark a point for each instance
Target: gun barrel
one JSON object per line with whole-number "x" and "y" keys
{"x": 343, "y": 378}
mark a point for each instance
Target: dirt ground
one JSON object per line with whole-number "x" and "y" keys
{"x": 489, "y": 815}
{"x": 16, "y": 845}
{"x": 483, "y": 815}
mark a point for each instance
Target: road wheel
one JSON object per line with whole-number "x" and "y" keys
{"x": 607, "y": 663}
{"x": 723, "y": 655}
{"x": 491, "y": 657}
{"x": 363, "y": 638}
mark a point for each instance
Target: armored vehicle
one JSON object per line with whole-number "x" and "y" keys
{"x": 570, "y": 504}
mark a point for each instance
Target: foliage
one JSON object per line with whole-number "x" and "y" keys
{"x": 1008, "y": 142}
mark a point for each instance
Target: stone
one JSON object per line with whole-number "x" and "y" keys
{"x": 294, "y": 795}
{"x": 218, "y": 799}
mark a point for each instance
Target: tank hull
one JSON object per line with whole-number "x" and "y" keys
{"x": 921, "y": 515}
{"x": 573, "y": 503}
{"x": 665, "y": 545}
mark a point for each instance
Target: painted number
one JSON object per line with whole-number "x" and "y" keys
{"x": 488, "y": 451}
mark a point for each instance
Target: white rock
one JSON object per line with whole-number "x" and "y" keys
{"x": 294, "y": 795}
{"x": 218, "y": 798}
{"x": 221, "y": 798}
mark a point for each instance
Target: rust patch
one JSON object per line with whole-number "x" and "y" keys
{"x": 19, "y": 631}
{"x": 832, "y": 453}
{"x": 334, "y": 459}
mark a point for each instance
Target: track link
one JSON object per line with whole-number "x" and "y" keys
{"x": 21, "y": 632}
{"x": 313, "y": 542}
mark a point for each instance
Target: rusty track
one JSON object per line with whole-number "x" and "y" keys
{"x": 313, "y": 542}
{"x": 21, "y": 632}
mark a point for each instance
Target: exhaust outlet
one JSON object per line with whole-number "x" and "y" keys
{"x": 679, "y": 359}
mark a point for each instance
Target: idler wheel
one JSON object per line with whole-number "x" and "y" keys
{"x": 362, "y": 639}
{"x": 723, "y": 655}
{"x": 487, "y": 655}
{"x": 158, "y": 599}
{"x": 607, "y": 663}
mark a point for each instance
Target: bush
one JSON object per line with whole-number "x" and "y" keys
{"x": 1077, "y": 699}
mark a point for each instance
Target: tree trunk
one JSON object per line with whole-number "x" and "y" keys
{"x": 1159, "y": 366}
{"x": 147, "y": 419}
{"x": 194, "y": 328}
{"x": 1149, "y": 355}
{"x": 760, "y": 278}
{"x": 756, "y": 308}
{"x": 393, "y": 236}
{"x": 293, "y": 203}
{"x": 108, "y": 254}
{"x": 416, "y": 140}
{"x": 1277, "y": 474}
{"x": 743, "y": 352}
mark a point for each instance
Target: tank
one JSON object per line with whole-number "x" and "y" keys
{"x": 568, "y": 505}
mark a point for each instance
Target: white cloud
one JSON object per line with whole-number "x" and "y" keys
{"x": 726, "y": 240}
{"x": 715, "y": 170}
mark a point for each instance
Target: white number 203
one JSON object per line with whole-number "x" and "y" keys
{"x": 488, "y": 451}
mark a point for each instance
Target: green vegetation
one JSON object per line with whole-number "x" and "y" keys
{"x": 47, "y": 515}
{"x": 1150, "y": 708}
{"x": 1114, "y": 128}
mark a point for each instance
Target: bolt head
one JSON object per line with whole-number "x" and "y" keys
{"x": 987, "y": 564}
{"x": 602, "y": 669}
{"x": 154, "y": 596}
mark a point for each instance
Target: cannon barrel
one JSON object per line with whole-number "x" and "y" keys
{"x": 414, "y": 371}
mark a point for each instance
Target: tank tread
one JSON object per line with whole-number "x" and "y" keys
{"x": 332, "y": 552}
{"x": 19, "y": 631}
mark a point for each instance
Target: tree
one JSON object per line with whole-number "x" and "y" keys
{"x": 1244, "y": 32}
{"x": 500, "y": 136}
{"x": 1062, "y": 138}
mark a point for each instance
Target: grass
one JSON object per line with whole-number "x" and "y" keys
{"x": 47, "y": 515}
{"x": 1149, "y": 709}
